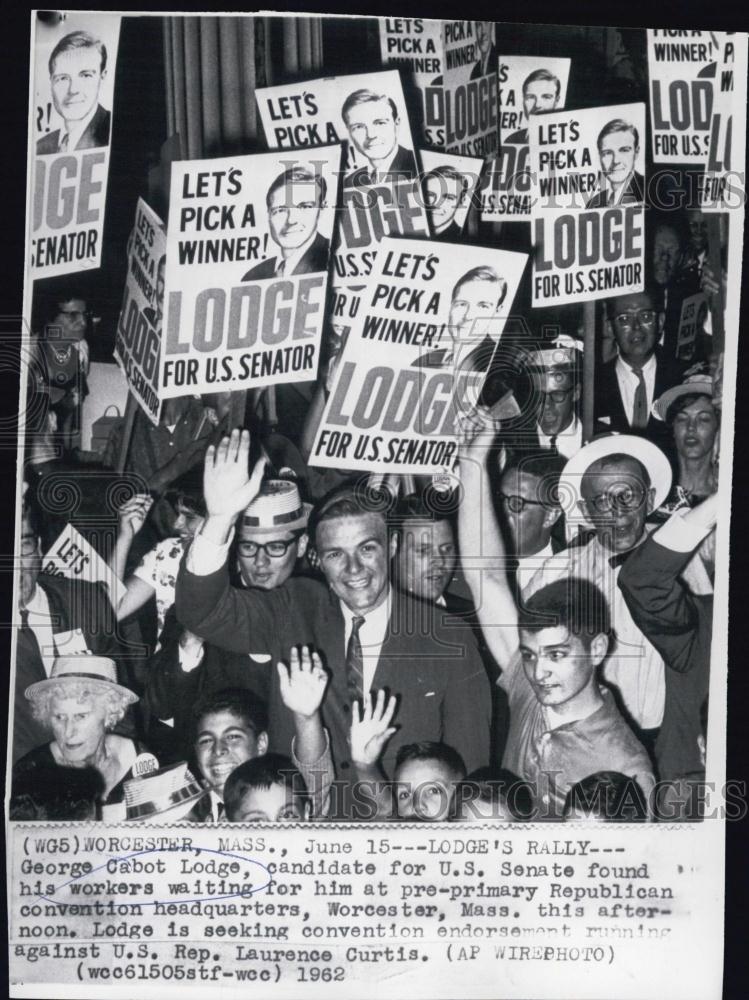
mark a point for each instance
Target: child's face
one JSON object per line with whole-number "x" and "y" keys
{"x": 424, "y": 790}
{"x": 276, "y": 804}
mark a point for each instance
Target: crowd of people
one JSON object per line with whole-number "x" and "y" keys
{"x": 294, "y": 643}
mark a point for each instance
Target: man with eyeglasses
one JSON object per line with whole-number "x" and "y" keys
{"x": 627, "y": 385}
{"x": 272, "y": 538}
{"x": 617, "y": 481}
{"x": 554, "y": 374}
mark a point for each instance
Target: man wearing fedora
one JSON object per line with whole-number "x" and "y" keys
{"x": 367, "y": 634}
{"x": 272, "y": 538}
{"x": 617, "y": 481}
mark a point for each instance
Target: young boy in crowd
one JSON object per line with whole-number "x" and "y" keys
{"x": 606, "y": 797}
{"x": 495, "y": 794}
{"x": 426, "y": 776}
{"x": 267, "y": 789}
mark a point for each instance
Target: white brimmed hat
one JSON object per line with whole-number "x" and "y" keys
{"x": 553, "y": 367}
{"x": 98, "y": 671}
{"x": 631, "y": 445}
{"x": 167, "y": 794}
{"x": 698, "y": 382}
{"x": 278, "y": 507}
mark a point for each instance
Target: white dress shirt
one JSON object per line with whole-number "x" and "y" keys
{"x": 371, "y": 635}
{"x": 628, "y": 382}
{"x": 74, "y": 131}
{"x": 290, "y": 262}
{"x": 569, "y": 441}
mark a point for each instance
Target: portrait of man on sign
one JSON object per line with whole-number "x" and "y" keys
{"x": 77, "y": 69}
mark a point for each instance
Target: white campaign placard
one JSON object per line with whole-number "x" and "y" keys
{"x": 247, "y": 270}
{"x": 74, "y": 68}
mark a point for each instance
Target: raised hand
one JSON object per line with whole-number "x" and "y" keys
{"x": 476, "y": 435}
{"x": 227, "y": 485}
{"x": 371, "y": 729}
{"x": 133, "y": 513}
{"x": 303, "y": 682}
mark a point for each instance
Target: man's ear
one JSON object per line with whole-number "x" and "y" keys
{"x": 661, "y": 321}
{"x": 393, "y": 543}
{"x": 551, "y": 516}
{"x": 302, "y": 543}
{"x": 651, "y": 500}
{"x": 577, "y": 391}
{"x": 262, "y": 744}
{"x": 599, "y": 646}
{"x": 307, "y": 811}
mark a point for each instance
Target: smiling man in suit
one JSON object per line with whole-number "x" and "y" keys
{"x": 294, "y": 201}
{"x": 77, "y": 69}
{"x": 369, "y": 636}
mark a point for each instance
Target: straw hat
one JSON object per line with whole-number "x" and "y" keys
{"x": 700, "y": 381}
{"x": 277, "y": 508}
{"x": 98, "y": 671}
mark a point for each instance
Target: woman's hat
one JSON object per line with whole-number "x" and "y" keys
{"x": 167, "y": 794}
{"x": 631, "y": 445}
{"x": 277, "y": 508}
{"x": 698, "y": 381}
{"x": 98, "y": 671}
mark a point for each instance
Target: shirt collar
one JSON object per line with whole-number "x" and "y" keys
{"x": 377, "y": 619}
{"x": 647, "y": 368}
{"x": 39, "y": 604}
{"x": 569, "y": 431}
{"x": 75, "y": 131}
{"x": 290, "y": 262}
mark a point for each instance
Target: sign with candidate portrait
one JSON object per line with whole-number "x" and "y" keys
{"x": 74, "y": 62}
{"x": 137, "y": 344}
{"x": 381, "y": 194}
{"x": 246, "y": 270}
{"x": 470, "y": 88}
{"x": 448, "y": 184}
{"x": 416, "y": 356}
{"x": 588, "y": 192}
{"x": 682, "y": 68}
{"x": 528, "y": 85}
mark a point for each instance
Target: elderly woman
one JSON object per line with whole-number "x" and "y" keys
{"x": 81, "y": 703}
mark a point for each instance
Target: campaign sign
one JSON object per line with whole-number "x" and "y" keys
{"x": 416, "y": 356}
{"x": 246, "y": 270}
{"x": 588, "y": 191}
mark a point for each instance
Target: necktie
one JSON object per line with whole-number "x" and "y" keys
{"x": 280, "y": 269}
{"x": 354, "y": 662}
{"x": 64, "y": 143}
{"x": 220, "y": 811}
{"x": 640, "y": 411}
{"x": 553, "y": 443}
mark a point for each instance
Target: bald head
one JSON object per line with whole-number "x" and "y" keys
{"x": 617, "y": 498}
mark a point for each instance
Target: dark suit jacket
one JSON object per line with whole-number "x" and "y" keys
{"x": 315, "y": 258}
{"x": 491, "y": 65}
{"x": 519, "y": 138}
{"x": 477, "y": 360}
{"x": 634, "y": 193}
{"x": 452, "y": 234}
{"x": 432, "y": 665}
{"x": 608, "y": 401}
{"x": 404, "y": 165}
{"x": 679, "y": 624}
{"x": 73, "y": 605}
{"x": 95, "y": 135}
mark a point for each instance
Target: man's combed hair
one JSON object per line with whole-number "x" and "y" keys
{"x": 546, "y": 467}
{"x": 350, "y": 499}
{"x": 446, "y": 172}
{"x": 483, "y": 273}
{"x": 608, "y": 795}
{"x": 542, "y": 74}
{"x": 78, "y": 40}
{"x": 298, "y": 175}
{"x": 263, "y": 772}
{"x": 365, "y": 96}
{"x": 429, "y": 750}
{"x": 243, "y": 703}
{"x": 618, "y": 125}
{"x": 572, "y": 603}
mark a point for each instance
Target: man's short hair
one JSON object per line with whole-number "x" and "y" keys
{"x": 608, "y": 795}
{"x": 600, "y": 465}
{"x": 618, "y": 125}
{"x": 431, "y": 750}
{"x": 483, "y": 273}
{"x": 78, "y": 40}
{"x": 262, "y": 772}
{"x": 350, "y": 499}
{"x": 546, "y": 467}
{"x": 298, "y": 175}
{"x": 572, "y": 603}
{"x": 365, "y": 96}
{"x": 447, "y": 172}
{"x": 542, "y": 74}
{"x": 682, "y": 402}
{"x": 495, "y": 786}
{"x": 243, "y": 703}
{"x": 54, "y": 792}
